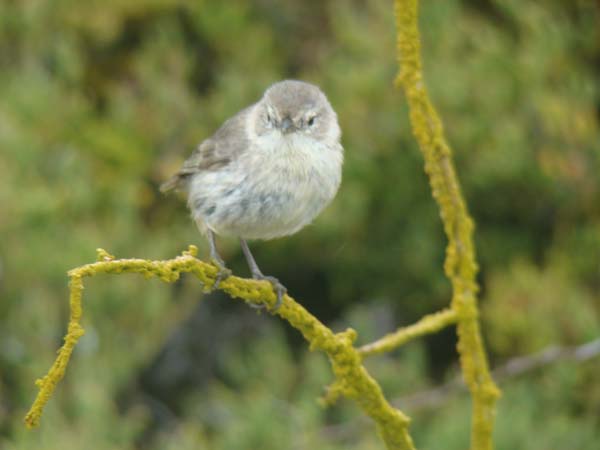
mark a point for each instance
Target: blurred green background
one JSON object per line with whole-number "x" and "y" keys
{"x": 100, "y": 101}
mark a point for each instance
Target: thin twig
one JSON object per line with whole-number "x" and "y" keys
{"x": 429, "y": 324}
{"x": 512, "y": 368}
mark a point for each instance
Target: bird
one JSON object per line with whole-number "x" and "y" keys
{"x": 266, "y": 173}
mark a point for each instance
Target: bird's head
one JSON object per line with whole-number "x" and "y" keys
{"x": 295, "y": 108}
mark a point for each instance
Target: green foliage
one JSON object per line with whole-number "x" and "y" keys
{"x": 524, "y": 292}
{"x": 100, "y": 102}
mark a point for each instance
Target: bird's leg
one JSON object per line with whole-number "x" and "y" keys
{"x": 216, "y": 259}
{"x": 279, "y": 288}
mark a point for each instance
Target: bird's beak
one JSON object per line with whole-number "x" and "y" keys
{"x": 287, "y": 126}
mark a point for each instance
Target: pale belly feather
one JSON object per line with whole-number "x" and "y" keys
{"x": 265, "y": 194}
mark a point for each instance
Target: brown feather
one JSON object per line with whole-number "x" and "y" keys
{"x": 213, "y": 153}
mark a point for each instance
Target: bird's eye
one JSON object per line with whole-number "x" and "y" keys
{"x": 311, "y": 121}
{"x": 268, "y": 117}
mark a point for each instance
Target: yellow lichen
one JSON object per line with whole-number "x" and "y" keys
{"x": 344, "y": 357}
{"x": 429, "y": 324}
{"x": 460, "y": 265}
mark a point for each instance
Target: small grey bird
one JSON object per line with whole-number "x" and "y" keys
{"x": 266, "y": 173}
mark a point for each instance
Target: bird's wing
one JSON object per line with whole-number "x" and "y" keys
{"x": 215, "y": 152}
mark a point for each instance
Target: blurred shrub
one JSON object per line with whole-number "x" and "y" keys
{"x": 528, "y": 308}
{"x": 100, "y": 102}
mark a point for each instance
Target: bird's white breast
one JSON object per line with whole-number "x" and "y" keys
{"x": 274, "y": 189}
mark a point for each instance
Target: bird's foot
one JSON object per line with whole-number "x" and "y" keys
{"x": 280, "y": 290}
{"x": 223, "y": 272}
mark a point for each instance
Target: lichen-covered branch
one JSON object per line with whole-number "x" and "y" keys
{"x": 460, "y": 265}
{"x": 355, "y": 381}
{"x": 428, "y": 324}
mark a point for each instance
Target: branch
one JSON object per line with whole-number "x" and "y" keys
{"x": 460, "y": 265}
{"x": 512, "y": 368}
{"x": 428, "y": 324}
{"x": 356, "y": 383}
{"x": 550, "y": 355}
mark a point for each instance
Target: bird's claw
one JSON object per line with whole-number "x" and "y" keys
{"x": 222, "y": 274}
{"x": 279, "y": 289}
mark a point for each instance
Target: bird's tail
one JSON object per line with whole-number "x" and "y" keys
{"x": 178, "y": 182}
{"x": 171, "y": 184}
